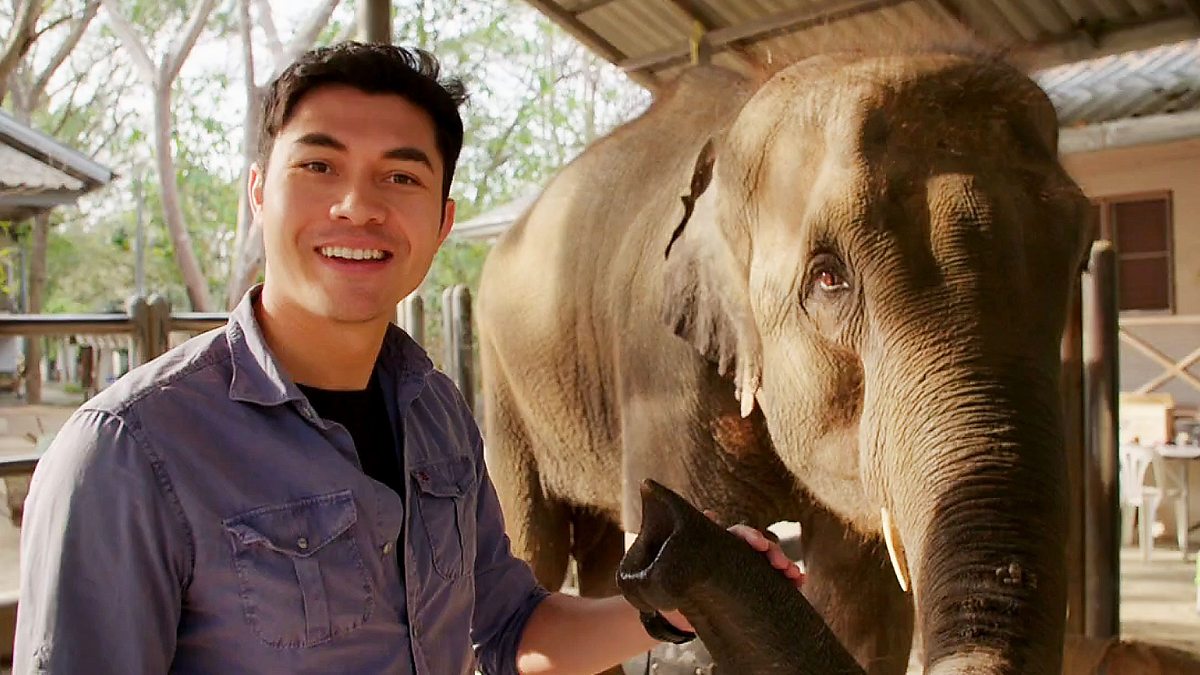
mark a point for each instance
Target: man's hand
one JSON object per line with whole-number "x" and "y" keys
{"x": 759, "y": 542}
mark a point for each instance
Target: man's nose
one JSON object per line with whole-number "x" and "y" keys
{"x": 360, "y": 205}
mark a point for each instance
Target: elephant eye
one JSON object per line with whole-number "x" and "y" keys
{"x": 828, "y": 274}
{"x": 831, "y": 281}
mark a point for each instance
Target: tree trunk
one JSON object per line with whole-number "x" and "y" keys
{"x": 37, "y": 294}
{"x": 19, "y": 40}
{"x": 185, "y": 255}
{"x": 247, "y": 255}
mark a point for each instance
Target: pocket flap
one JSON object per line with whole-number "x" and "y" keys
{"x": 444, "y": 478}
{"x": 299, "y": 528}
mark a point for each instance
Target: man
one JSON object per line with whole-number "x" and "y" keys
{"x": 300, "y": 491}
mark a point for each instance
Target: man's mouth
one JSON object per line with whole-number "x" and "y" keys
{"x": 344, "y": 253}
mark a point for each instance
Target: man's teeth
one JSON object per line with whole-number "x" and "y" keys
{"x": 352, "y": 253}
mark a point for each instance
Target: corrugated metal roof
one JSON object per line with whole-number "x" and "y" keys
{"x": 1154, "y": 81}
{"x": 650, "y": 38}
{"x": 21, "y": 173}
{"x": 38, "y": 173}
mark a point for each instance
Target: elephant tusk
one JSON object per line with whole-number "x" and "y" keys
{"x": 746, "y": 391}
{"x": 895, "y": 547}
{"x": 747, "y": 404}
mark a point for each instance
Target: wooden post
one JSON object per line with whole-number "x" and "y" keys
{"x": 375, "y": 21}
{"x": 160, "y": 325}
{"x": 449, "y": 349}
{"x": 1076, "y": 458}
{"x": 1101, "y": 539}
{"x": 411, "y": 317}
{"x": 464, "y": 362}
{"x": 139, "y": 315}
{"x": 459, "y": 348}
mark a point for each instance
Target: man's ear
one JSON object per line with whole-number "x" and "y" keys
{"x": 254, "y": 187}
{"x": 447, "y": 221}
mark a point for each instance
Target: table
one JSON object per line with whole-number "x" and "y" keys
{"x": 1182, "y": 455}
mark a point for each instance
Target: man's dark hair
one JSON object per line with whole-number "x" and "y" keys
{"x": 375, "y": 69}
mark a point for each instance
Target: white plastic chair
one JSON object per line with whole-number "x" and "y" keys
{"x": 1142, "y": 501}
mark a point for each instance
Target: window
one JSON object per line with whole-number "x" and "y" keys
{"x": 1140, "y": 229}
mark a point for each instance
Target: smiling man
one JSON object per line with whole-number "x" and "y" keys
{"x": 300, "y": 491}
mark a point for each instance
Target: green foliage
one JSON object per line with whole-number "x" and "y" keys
{"x": 537, "y": 97}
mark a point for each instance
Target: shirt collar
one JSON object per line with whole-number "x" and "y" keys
{"x": 259, "y": 378}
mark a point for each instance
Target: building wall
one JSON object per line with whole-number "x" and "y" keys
{"x": 1149, "y": 168}
{"x": 1171, "y": 166}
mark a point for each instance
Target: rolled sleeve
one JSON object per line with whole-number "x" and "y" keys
{"x": 506, "y": 590}
{"x": 106, "y": 554}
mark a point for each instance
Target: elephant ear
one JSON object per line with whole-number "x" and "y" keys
{"x": 706, "y": 297}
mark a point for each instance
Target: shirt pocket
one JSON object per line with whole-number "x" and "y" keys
{"x": 444, "y": 505}
{"x": 301, "y": 572}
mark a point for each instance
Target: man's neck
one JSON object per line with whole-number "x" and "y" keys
{"x": 318, "y": 352}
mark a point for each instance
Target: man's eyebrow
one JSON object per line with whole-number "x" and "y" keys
{"x": 409, "y": 154}
{"x": 320, "y": 139}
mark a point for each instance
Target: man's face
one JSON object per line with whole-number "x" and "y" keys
{"x": 350, "y": 205}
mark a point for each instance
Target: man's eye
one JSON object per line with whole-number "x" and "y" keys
{"x": 317, "y": 167}
{"x": 403, "y": 179}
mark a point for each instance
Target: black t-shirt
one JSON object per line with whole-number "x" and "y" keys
{"x": 364, "y": 414}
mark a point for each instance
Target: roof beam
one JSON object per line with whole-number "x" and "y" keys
{"x": 588, "y": 6}
{"x": 691, "y": 10}
{"x": 1193, "y": 8}
{"x": 1113, "y": 37}
{"x": 777, "y": 24}
{"x": 952, "y": 11}
{"x": 590, "y": 38}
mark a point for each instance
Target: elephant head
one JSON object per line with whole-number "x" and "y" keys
{"x": 880, "y": 253}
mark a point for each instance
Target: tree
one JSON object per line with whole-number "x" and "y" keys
{"x": 20, "y": 39}
{"x": 247, "y": 260}
{"x": 537, "y": 98}
{"x": 29, "y": 80}
{"x": 160, "y": 79}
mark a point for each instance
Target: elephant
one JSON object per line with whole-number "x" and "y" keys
{"x": 754, "y": 621}
{"x": 832, "y": 294}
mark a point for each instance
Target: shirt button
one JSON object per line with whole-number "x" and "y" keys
{"x": 387, "y": 548}
{"x": 302, "y": 543}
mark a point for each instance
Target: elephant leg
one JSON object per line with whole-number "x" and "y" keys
{"x": 538, "y": 525}
{"x": 852, "y": 585}
{"x": 597, "y": 546}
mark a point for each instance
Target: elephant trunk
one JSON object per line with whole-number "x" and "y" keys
{"x": 750, "y": 617}
{"x": 978, "y": 521}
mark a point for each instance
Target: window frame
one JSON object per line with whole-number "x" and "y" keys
{"x": 1104, "y": 230}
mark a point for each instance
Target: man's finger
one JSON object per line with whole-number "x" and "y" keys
{"x": 752, "y": 536}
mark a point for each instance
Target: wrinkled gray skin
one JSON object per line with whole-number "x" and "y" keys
{"x": 751, "y": 617}
{"x": 875, "y": 257}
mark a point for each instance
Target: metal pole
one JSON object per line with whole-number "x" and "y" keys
{"x": 1076, "y": 456}
{"x": 1102, "y": 541}
{"x": 375, "y": 21}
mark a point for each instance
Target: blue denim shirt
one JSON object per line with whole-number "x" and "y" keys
{"x": 198, "y": 517}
